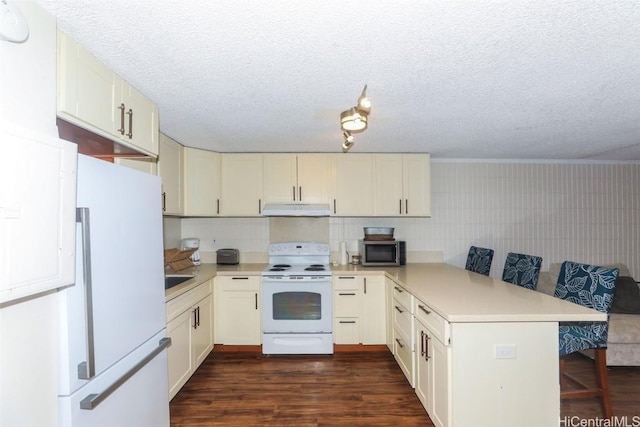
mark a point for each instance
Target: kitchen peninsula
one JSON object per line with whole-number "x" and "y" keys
{"x": 477, "y": 350}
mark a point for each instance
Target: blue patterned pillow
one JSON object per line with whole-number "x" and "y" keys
{"x": 522, "y": 270}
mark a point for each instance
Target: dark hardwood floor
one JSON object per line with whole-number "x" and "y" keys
{"x": 345, "y": 389}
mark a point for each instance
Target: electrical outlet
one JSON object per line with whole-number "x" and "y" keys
{"x": 505, "y": 351}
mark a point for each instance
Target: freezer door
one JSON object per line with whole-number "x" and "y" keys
{"x": 117, "y": 302}
{"x": 142, "y": 400}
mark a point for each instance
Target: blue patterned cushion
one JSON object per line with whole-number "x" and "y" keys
{"x": 522, "y": 270}
{"x": 479, "y": 260}
{"x": 590, "y": 286}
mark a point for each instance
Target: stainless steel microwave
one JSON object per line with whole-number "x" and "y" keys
{"x": 382, "y": 252}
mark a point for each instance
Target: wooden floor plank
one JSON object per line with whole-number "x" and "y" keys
{"x": 344, "y": 389}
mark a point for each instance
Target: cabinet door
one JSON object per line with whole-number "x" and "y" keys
{"x": 388, "y": 192}
{"x": 179, "y": 354}
{"x": 170, "y": 171}
{"x": 440, "y": 380}
{"x": 353, "y": 185}
{"x": 87, "y": 90}
{"x": 237, "y": 310}
{"x": 416, "y": 184}
{"x": 422, "y": 366}
{"x": 201, "y": 173}
{"x": 280, "y": 178}
{"x": 203, "y": 329}
{"x": 389, "y": 307}
{"x": 37, "y": 210}
{"x": 373, "y": 311}
{"x": 314, "y": 178}
{"x": 241, "y": 185}
{"x": 141, "y": 119}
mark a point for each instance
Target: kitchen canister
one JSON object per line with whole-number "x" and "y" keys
{"x": 344, "y": 257}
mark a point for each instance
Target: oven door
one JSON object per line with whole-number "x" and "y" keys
{"x": 296, "y": 305}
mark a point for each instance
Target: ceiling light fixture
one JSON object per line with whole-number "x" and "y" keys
{"x": 348, "y": 141}
{"x": 354, "y": 120}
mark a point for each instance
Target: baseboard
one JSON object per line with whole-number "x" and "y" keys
{"x": 337, "y": 348}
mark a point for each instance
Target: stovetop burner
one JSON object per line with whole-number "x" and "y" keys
{"x": 298, "y": 259}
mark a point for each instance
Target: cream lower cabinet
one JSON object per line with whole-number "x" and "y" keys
{"x": 237, "y": 310}
{"x": 359, "y": 309}
{"x": 403, "y": 346}
{"x": 190, "y": 327}
{"x": 433, "y": 363}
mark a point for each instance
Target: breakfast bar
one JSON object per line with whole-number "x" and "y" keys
{"x": 484, "y": 352}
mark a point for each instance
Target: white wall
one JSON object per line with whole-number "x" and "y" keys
{"x": 28, "y": 328}
{"x": 582, "y": 212}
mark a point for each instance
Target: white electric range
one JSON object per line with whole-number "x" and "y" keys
{"x": 296, "y": 299}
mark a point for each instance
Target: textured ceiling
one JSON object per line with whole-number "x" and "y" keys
{"x": 459, "y": 79}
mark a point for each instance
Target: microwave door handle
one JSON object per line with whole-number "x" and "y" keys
{"x": 86, "y": 370}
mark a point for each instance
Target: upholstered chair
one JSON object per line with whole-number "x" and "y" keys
{"x": 522, "y": 270}
{"x": 479, "y": 260}
{"x": 590, "y": 286}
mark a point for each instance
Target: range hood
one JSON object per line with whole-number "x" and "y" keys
{"x": 296, "y": 209}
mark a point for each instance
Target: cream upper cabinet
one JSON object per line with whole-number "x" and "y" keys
{"x": 242, "y": 178}
{"x": 353, "y": 185}
{"x": 402, "y": 185}
{"x": 280, "y": 177}
{"x": 201, "y": 173}
{"x": 92, "y": 96}
{"x": 170, "y": 160}
{"x": 290, "y": 178}
{"x": 416, "y": 184}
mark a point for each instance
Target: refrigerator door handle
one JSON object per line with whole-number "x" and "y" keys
{"x": 86, "y": 370}
{"x": 93, "y": 400}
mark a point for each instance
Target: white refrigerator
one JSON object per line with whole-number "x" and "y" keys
{"x": 112, "y": 336}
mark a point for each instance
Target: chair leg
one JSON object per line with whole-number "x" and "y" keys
{"x": 602, "y": 391}
{"x": 600, "y": 359}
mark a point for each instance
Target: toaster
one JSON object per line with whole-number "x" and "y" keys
{"x": 227, "y": 256}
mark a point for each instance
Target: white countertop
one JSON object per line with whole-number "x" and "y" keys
{"x": 456, "y": 294}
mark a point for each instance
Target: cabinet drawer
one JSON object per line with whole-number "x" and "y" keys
{"x": 432, "y": 320}
{"x": 345, "y": 283}
{"x": 346, "y": 331}
{"x": 402, "y": 319}
{"x": 404, "y": 297}
{"x": 185, "y": 301}
{"x": 238, "y": 283}
{"x": 345, "y": 304}
{"x": 404, "y": 356}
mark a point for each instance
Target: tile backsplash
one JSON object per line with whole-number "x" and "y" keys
{"x": 587, "y": 212}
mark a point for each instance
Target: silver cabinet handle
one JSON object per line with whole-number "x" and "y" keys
{"x": 399, "y": 343}
{"x": 86, "y": 370}
{"x": 347, "y": 321}
{"x": 93, "y": 400}
{"x": 426, "y": 347}
{"x": 422, "y": 334}
{"x": 365, "y": 285}
{"x": 256, "y": 300}
{"x": 346, "y": 277}
{"x": 130, "y": 113}
{"x": 240, "y": 278}
{"x": 294, "y": 192}
{"x": 346, "y": 294}
{"x": 421, "y": 307}
{"x": 121, "y": 108}
{"x": 398, "y": 289}
{"x": 399, "y": 310}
